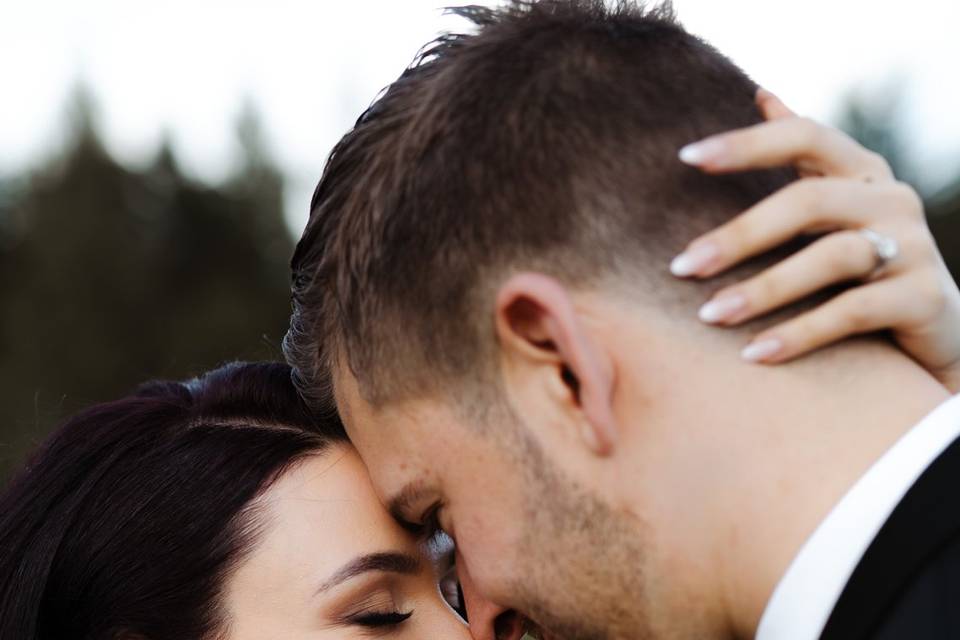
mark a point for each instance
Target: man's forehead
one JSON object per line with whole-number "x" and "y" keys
{"x": 390, "y": 439}
{"x": 389, "y": 463}
{"x": 398, "y": 463}
{"x": 362, "y": 420}
{"x": 407, "y": 416}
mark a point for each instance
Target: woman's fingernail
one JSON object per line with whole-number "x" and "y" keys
{"x": 761, "y": 350}
{"x": 722, "y": 308}
{"x": 694, "y": 260}
{"x": 702, "y": 152}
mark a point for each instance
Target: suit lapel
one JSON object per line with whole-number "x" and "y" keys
{"x": 927, "y": 518}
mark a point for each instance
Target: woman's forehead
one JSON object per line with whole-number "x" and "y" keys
{"x": 327, "y": 504}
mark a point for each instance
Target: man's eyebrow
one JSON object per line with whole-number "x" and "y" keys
{"x": 399, "y": 504}
{"x": 388, "y": 561}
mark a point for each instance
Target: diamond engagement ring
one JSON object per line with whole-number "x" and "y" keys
{"x": 885, "y": 248}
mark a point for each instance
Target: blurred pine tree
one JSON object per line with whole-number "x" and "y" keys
{"x": 110, "y": 276}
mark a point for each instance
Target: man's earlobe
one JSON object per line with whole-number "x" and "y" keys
{"x": 536, "y": 319}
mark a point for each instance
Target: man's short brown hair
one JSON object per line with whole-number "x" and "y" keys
{"x": 547, "y": 140}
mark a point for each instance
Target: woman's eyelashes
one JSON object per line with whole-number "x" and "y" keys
{"x": 376, "y": 619}
{"x": 378, "y": 611}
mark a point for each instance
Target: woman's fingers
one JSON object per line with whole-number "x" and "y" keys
{"x": 811, "y": 205}
{"x": 771, "y": 106}
{"x": 845, "y": 189}
{"x": 799, "y": 142}
{"x": 835, "y": 258}
{"x": 857, "y": 311}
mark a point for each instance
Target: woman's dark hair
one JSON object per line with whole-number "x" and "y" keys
{"x": 129, "y": 518}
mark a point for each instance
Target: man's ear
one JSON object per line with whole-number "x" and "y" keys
{"x": 537, "y": 325}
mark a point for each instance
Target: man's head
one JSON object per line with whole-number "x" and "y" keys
{"x": 484, "y": 287}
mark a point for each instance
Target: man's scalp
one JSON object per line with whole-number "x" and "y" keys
{"x": 545, "y": 140}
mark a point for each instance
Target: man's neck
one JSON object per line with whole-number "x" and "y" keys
{"x": 822, "y": 424}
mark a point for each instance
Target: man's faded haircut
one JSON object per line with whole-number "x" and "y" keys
{"x": 547, "y": 140}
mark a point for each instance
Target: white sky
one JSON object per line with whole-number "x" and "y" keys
{"x": 311, "y": 66}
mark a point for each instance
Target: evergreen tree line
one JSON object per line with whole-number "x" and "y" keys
{"x": 111, "y": 275}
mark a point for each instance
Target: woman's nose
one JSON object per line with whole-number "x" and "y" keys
{"x": 488, "y": 621}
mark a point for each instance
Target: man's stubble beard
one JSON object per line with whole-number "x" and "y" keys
{"x": 580, "y": 563}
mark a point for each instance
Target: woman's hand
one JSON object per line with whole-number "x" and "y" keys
{"x": 844, "y": 188}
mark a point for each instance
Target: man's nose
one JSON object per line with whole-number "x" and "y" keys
{"x": 488, "y": 621}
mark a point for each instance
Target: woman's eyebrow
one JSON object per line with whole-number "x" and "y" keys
{"x": 389, "y": 561}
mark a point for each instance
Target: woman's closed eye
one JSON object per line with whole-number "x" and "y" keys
{"x": 369, "y": 590}
{"x": 377, "y": 611}
{"x": 376, "y": 619}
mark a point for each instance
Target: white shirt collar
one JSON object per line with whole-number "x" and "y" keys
{"x": 805, "y": 596}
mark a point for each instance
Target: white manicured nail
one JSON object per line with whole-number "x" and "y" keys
{"x": 722, "y": 308}
{"x": 761, "y": 350}
{"x": 699, "y": 153}
{"x": 693, "y": 260}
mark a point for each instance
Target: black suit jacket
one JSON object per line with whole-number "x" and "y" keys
{"x": 907, "y": 585}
